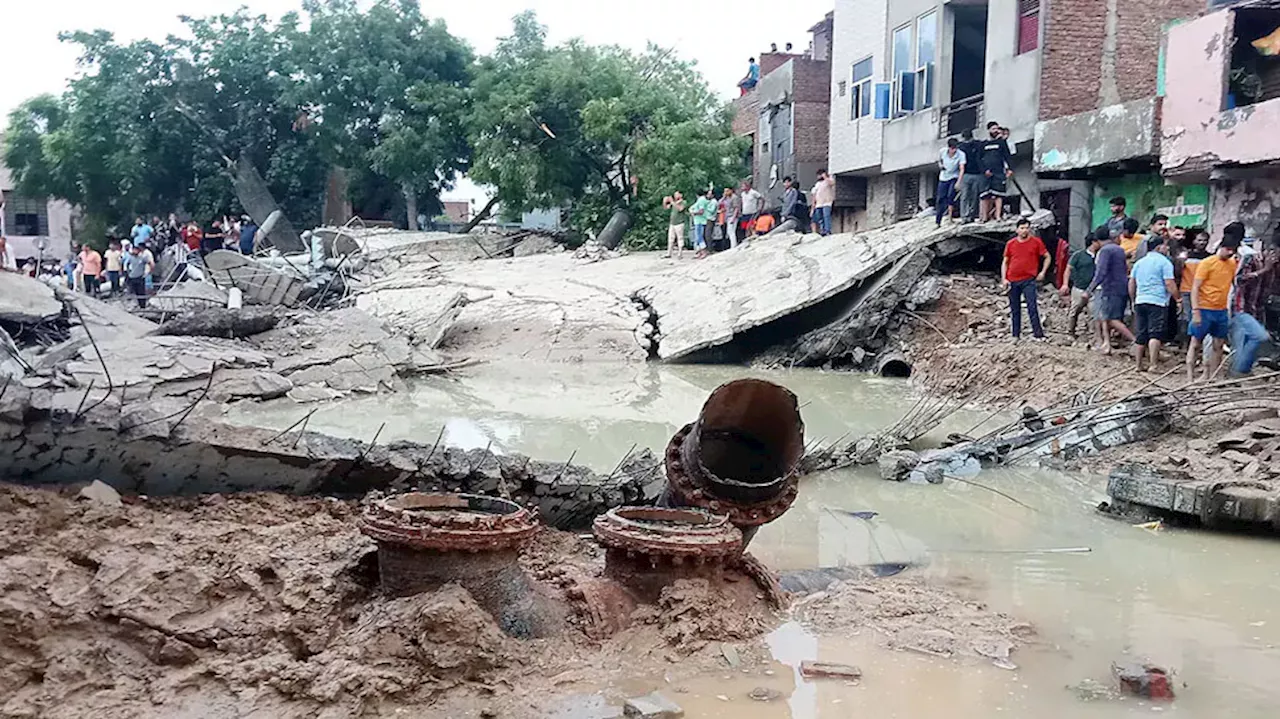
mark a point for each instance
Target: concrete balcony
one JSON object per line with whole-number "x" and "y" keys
{"x": 1109, "y": 136}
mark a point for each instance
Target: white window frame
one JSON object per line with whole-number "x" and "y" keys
{"x": 896, "y": 73}
{"x": 925, "y": 72}
{"x": 860, "y": 89}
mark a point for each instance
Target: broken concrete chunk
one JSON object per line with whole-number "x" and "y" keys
{"x": 652, "y": 706}
{"x": 811, "y": 669}
{"x": 101, "y": 494}
{"x": 1143, "y": 680}
{"x": 26, "y": 301}
{"x": 897, "y": 465}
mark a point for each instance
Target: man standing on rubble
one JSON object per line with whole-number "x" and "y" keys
{"x": 824, "y": 198}
{"x": 1151, "y": 285}
{"x": 731, "y": 210}
{"x": 752, "y": 205}
{"x": 996, "y": 172}
{"x": 1210, "y": 294}
{"x": 1025, "y": 263}
{"x": 138, "y": 266}
{"x": 704, "y": 213}
{"x": 1118, "y": 216}
{"x": 1075, "y": 285}
{"x": 675, "y": 227}
{"x": 1111, "y": 279}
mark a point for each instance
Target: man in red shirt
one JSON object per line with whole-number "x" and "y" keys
{"x": 1025, "y": 263}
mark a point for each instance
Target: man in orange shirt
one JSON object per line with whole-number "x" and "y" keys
{"x": 1186, "y": 263}
{"x": 764, "y": 224}
{"x": 1025, "y": 263}
{"x": 90, "y": 268}
{"x": 1209, "y": 296}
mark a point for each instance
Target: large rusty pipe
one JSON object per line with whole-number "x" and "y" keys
{"x": 426, "y": 541}
{"x": 741, "y": 457}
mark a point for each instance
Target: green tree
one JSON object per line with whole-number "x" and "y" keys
{"x": 386, "y": 89}
{"x": 595, "y": 128}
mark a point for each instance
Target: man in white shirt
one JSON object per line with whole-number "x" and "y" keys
{"x": 752, "y": 206}
{"x": 951, "y": 163}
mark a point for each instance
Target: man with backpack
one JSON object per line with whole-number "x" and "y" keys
{"x": 794, "y": 205}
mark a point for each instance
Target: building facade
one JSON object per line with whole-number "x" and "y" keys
{"x": 908, "y": 74}
{"x": 33, "y": 226}
{"x": 786, "y": 115}
{"x": 1221, "y": 113}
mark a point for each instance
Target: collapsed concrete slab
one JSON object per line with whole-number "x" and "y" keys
{"x": 1211, "y": 501}
{"x": 26, "y": 301}
{"x": 633, "y": 307}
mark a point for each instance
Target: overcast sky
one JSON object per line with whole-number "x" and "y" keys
{"x": 720, "y": 36}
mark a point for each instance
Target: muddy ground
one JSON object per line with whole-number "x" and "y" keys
{"x": 225, "y": 606}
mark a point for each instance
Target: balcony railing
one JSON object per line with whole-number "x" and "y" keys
{"x": 959, "y": 116}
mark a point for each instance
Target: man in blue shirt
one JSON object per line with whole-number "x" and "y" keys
{"x": 1111, "y": 279}
{"x": 248, "y": 231}
{"x": 749, "y": 82}
{"x": 1151, "y": 286}
{"x": 141, "y": 232}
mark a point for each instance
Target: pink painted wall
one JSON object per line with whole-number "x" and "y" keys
{"x": 1197, "y": 133}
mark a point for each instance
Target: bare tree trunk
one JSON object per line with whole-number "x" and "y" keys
{"x": 410, "y": 205}
{"x": 482, "y": 215}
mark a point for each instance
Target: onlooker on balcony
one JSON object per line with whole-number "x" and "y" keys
{"x": 995, "y": 171}
{"x": 952, "y": 161}
{"x": 972, "y": 177}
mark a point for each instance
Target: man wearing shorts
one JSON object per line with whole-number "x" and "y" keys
{"x": 994, "y": 165}
{"x": 1111, "y": 278}
{"x": 1151, "y": 285}
{"x": 1210, "y": 294}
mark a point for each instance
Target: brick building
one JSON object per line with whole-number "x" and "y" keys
{"x": 33, "y": 226}
{"x": 786, "y": 115}
{"x": 1101, "y": 102}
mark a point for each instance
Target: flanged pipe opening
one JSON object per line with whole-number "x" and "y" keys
{"x": 421, "y": 502}
{"x": 748, "y": 439}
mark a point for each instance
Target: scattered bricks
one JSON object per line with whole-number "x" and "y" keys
{"x": 812, "y": 670}
{"x": 652, "y": 706}
{"x": 1143, "y": 680}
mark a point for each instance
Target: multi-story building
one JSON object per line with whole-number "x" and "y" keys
{"x": 1101, "y": 101}
{"x": 33, "y": 226}
{"x": 1221, "y": 112}
{"x": 908, "y": 74}
{"x": 785, "y": 115}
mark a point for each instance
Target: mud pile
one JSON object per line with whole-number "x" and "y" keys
{"x": 220, "y": 606}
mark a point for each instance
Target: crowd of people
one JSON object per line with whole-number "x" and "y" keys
{"x": 1168, "y": 286}
{"x": 128, "y": 265}
{"x": 731, "y": 218}
{"x": 973, "y": 176}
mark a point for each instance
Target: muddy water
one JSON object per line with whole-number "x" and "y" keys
{"x": 1206, "y": 605}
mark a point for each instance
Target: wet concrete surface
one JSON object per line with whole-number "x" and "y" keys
{"x": 1202, "y": 604}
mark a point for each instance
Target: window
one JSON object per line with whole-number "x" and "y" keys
{"x": 926, "y": 55}
{"x": 862, "y": 92}
{"x": 1028, "y": 25}
{"x": 904, "y": 99}
{"x": 26, "y": 217}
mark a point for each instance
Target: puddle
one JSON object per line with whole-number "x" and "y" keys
{"x": 1203, "y": 604}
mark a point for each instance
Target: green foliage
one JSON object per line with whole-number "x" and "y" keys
{"x": 149, "y": 127}
{"x": 576, "y": 125}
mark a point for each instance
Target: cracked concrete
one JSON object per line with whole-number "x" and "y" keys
{"x": 555, "y": 308}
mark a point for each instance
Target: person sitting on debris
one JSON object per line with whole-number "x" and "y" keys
{"x": 752, "y": 79}
{"x": 1151, "y": 285}
{"x": 1076, "y": 282}
{"x": 1111, "y": 278}
{"x": 1210, "y": 295}
{"x": 90, "y": 269}
{"x": 1254, "y": 287}
{"x": 138, "y": 267}
{"x": 703, "y": 213}
{"x": 764, "y": 225}
{"x": 1026, "y": 261}
{"x": 675, "y": 227}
